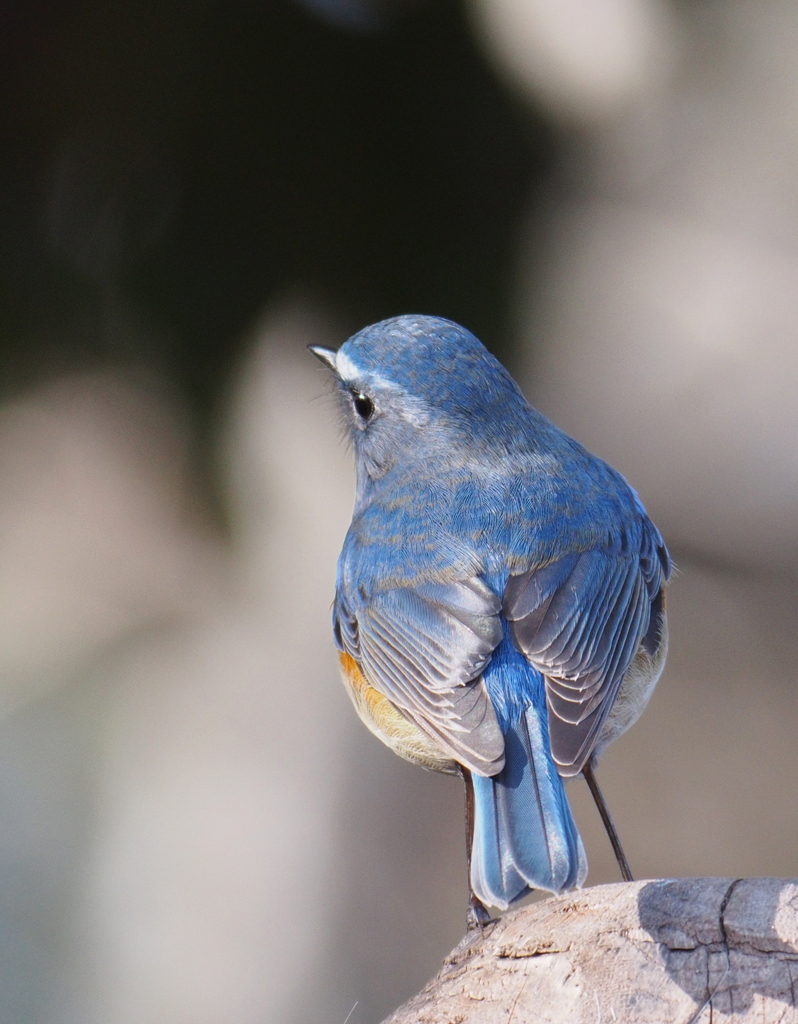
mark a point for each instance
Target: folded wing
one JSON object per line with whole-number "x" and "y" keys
{"x": 425, "y": 648}
{"x": 580, "y": 621}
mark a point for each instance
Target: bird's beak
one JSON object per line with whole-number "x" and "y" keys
{"x": 326, "y": 356}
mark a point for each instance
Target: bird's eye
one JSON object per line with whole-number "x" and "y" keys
{"x": 364, "y": 406}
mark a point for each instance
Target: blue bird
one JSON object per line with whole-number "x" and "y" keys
{"x": 499, "y": 607}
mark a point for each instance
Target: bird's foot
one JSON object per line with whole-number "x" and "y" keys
{"x": 477, "y": 915}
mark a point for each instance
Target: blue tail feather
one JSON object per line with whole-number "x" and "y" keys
{"x": 524, "y": 834}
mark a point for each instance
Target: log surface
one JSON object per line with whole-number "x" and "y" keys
{"x": 717, "y": 950}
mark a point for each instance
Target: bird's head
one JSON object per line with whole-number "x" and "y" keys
{"x": 419, "y": 387}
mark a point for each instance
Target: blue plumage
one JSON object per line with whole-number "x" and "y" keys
{"x": 524, "y": 833}
{"x": 499, "y": 585}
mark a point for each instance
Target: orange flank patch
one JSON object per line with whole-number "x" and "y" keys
{"x": 355, "y": 681}
{"x": 388, "y": 723}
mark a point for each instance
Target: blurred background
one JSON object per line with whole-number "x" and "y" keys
{"x": 194, "y": 827}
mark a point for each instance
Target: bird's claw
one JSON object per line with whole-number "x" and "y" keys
{"x": 477, "y": 915}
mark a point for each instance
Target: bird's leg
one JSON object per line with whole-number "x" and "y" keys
{"x": 477, "y": 915}
{"x": 620, "y": 856}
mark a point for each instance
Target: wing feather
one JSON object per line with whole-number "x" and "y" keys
{"x": 424, "y": 648}
{"x": 580, "y": 621}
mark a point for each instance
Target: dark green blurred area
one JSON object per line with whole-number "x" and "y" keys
{"x": 167, "y": 168}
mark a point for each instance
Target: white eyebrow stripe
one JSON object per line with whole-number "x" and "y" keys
{"x": 413, "y": 410}
{"x": 345, "y": 367}
{"x": 352, "y": 374}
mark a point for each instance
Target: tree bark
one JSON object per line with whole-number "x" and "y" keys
{"x": 684, "y": 950}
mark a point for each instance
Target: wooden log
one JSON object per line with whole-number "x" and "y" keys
{"x": 683, "y": 950}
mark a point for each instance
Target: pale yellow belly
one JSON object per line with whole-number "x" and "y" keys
{"x": 636, "y": 690}
{"x": 389, "y": 724}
